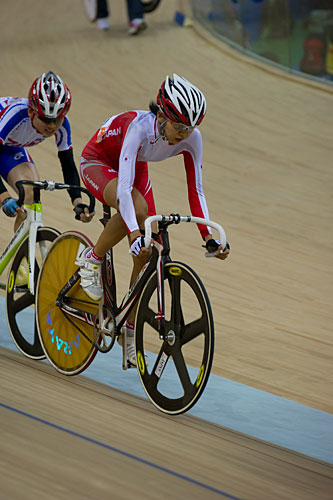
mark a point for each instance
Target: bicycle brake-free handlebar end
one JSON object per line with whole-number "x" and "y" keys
{"x": 51, "y": 186}
{"x": 176, "y": 219}
{"x": 213, "y": 254}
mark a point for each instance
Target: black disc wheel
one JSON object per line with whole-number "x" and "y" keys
{"x": 20, "y": 302}
{"x": 174, "y": 371}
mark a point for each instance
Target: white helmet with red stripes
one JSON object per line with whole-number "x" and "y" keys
{"x": 49, "y": 97}
{"x": 180, "y": 101}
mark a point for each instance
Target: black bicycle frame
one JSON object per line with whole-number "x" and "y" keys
{"x": 160, "y": 256}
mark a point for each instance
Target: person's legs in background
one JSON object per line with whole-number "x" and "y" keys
{"x": 102, "y": 21}
{"x": 137, "y": 22}
{"x": 136, "y": 17}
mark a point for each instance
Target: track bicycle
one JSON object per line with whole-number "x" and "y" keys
{"x": 90, "y": 7}
{"x": 174, "y": 330}
{"x": 28, "y": 248}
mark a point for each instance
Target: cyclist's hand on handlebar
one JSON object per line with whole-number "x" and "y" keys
{"x": 214, "y": 248}
{"x": 137, "y": 247}
{"x": 10, "y": 207}
{"x": 82, "y": 212}
{"x": 223, "y": 254}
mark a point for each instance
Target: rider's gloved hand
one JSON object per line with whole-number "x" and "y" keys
{"x": 136, "y": 245}
{"x": 9, "y": 207}
{"x": 212, "y": 247}
{"x": 82, "y": 208}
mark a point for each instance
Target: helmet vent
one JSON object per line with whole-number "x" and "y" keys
{"x": 181, "y": 101}
{"x": 54, "y": 97}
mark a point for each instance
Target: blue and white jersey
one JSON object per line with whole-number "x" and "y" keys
{"x": 16, "y": 128}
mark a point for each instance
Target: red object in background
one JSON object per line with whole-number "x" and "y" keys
{"x": 313, "y": 61}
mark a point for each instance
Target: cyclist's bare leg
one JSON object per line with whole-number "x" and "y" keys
{"x": 115, "y": 230}
{"x": 138, "y": 263}
{"x": 23, "y": 171}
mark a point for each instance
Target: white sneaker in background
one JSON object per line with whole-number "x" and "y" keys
{"x": 90, "y": 272}
{"x": 103, "y": 23}
{"x": 136, "y": 25}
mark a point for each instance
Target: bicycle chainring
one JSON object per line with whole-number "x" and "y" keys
{"x": 106, "y": 333}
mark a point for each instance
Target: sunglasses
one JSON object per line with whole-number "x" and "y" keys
{"x": 46, "y": 120}
{"x": 182, "y": 128}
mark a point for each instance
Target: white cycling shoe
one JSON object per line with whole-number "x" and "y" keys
{"x": 130, "y": 346}
{"x": 90, "y": 272}
{"x": 130, "y": 361}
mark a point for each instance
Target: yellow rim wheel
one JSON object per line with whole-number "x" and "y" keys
{"x": 67, "y": 349}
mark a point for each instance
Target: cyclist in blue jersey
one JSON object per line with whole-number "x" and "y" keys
{"x": 27, "y": 122}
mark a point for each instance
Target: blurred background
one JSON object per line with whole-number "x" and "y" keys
{"x": 295, "y": 34}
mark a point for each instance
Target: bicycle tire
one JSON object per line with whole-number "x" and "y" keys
{"x": 178, "y": 370}
{"x": 66, "y": 348}
{"x": 19, "y": 299}
{"x": 90, "y": 7}
{"x": 150, "y": 5}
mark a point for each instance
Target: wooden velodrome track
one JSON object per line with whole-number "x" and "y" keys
{"x": 268, "y": 180}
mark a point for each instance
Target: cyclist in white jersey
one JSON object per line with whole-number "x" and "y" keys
{"x": 114, "y": 168}
{"x": 27, "y": 122}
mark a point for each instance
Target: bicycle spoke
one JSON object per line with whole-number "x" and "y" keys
{"x": 176, "y": 310}
{"x": 182, "y": 371}
{"x": 23, "y": 302}
{"x": 149, "y": 316}
{"x": 36, "y": 338}
{"x": 193, "y": 330}
{"x": 153, "y": 378}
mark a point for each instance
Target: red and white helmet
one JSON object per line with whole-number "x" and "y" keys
{"x": 49, "y": 96}
{"x": 180, "y": 101}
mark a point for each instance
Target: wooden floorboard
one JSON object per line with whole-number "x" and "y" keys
{"x": 78, "y": 435}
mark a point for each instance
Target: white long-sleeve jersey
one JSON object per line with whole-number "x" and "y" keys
{"x": 131, "y": 137}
